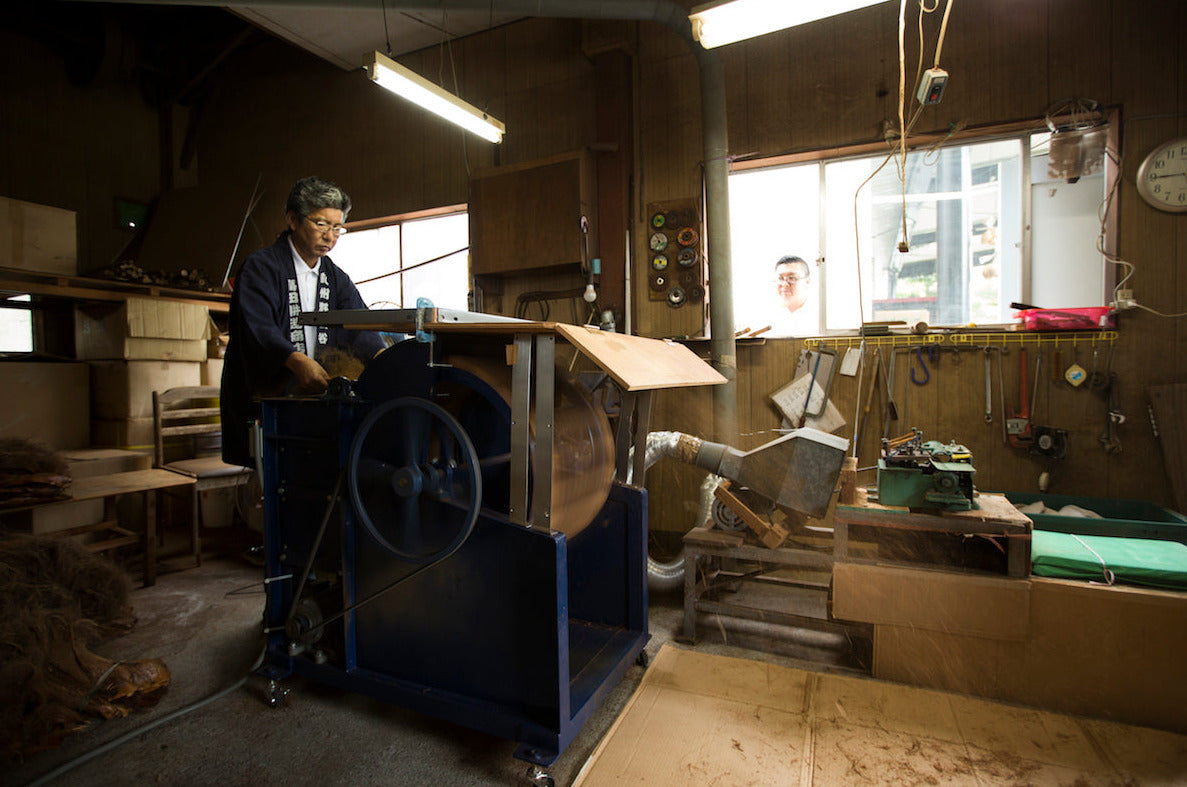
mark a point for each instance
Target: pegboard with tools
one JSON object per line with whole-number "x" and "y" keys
{"x": 675, "y": 253}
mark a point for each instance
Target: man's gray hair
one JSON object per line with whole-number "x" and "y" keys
{"x": 310, "y": 194}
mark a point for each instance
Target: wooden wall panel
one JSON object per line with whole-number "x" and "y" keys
{"x": 75, "y": 147}
{"x": 670, "y": 150}
{"x": 1008, "y": 60}
{"x": 863, "y": 90}
{"x": 1079, "y": 48}
{"x": 283, "y": 114}
{"x": 781, "y": 117}
{"x": 996, "y": 53}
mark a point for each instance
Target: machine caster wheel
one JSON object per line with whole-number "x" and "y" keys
{"x": 643, "y": 660}
{"x": 539, "y": 777}
{"x": 276, "y": 694}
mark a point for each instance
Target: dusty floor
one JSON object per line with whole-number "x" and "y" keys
{"x": 205, "y": 624}
{"x": 746, "y": 722}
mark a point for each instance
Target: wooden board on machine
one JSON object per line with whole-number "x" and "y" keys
{"x": 675, "y": 253}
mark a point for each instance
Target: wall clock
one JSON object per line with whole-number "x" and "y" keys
{"x": 1162, "y": 177}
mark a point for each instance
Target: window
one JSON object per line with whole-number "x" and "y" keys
{"x": 16, "y": 325}
{"x": 398, "y": 261}
{"x": 945, "y": 242}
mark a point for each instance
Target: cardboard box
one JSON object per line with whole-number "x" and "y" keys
{"x": 124, "y": 389}
{"x": 135, "y": 434}
{"x": 1110, "y": 652}
{"x": 38, "y": 238}
{"x": 51, "y": 519}
{"x": 972, "y": 604}
{"x": 90, "y": 462}
{"x": 141, "y": 329}
{"x": 46, "y": 402}
{"x": 212, "y": 371}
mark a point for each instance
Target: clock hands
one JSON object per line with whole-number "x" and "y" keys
{"x": 1169, "y": 175}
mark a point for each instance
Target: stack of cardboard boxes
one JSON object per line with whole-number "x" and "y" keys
{"x": 49, "y": 401}
{"x": 135, "y": 347}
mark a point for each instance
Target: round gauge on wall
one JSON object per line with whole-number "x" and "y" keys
{"x": 1162, "y": 177}
{"x": 659, "y": 241}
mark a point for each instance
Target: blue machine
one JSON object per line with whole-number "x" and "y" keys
{"x": 402, "y": 562}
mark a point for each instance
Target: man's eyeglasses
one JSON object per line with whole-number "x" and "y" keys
{"x": 323, "y": 227}
{"x": 788, "y": 278}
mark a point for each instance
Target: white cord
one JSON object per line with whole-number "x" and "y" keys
{"x": 1109, "y": 576}
{"x": 943, "y": 30}
{"x": 1157, "y": 313}
{"x": 902, "y": 106}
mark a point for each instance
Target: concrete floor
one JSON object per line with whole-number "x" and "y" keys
{"x": 205, "y": 624}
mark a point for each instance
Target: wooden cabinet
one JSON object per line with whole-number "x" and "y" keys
{"x": 534, "y": 216}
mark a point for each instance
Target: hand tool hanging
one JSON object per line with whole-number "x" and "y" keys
{"x": 1113, "y": 415}
{"x": 933, "y": 355}
{"x": 1048, "y": 441}
{"x": 891, "y": 407}
{"x": 988, "y": 387}
{"x": 1001, "y": 394}
{"x": 808, "y": 396}
{"x": 865, "y": 413}
{"x": 1018, "y": 422}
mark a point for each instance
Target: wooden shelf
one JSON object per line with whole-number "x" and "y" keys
{"x": 52, "y": 285}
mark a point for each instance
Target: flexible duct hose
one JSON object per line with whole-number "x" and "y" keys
{"x": 663, "y": 576}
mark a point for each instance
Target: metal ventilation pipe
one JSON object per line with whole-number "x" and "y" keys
{"x": 723, "y": 349}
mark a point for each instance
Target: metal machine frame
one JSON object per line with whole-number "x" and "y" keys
{"x": 521, "y": 632}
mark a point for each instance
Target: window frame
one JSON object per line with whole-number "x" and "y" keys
{"x": 1023, "y": 131}
{"x": 400, "y": 219}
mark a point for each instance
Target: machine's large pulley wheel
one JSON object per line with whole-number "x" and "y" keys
{"x": 414, "y": 479}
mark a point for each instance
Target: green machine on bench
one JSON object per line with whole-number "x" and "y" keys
{"x": 917, "y": 474}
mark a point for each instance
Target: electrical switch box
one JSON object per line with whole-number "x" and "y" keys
{"x": 931, "y": 86}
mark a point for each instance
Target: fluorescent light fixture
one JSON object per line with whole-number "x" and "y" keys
{"x": 389, "y": 74}
{"x": 726, "y": 21}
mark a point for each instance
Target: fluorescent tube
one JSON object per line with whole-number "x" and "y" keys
{"x": 389, "y": 74}
{"x": 726, "y": 21}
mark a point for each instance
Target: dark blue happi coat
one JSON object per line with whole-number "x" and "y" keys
{"x": 262, "y": 337}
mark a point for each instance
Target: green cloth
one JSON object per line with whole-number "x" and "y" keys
{"x": 1134, "y": 561}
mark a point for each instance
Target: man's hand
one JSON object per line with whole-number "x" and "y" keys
{"x": 311, "y": 377}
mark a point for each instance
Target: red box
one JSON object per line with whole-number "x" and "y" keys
{"x": 1091, "y": 318}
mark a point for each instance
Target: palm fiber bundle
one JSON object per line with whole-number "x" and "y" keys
{"x": 56, "y": 601}
{"x": 30, "y": 473}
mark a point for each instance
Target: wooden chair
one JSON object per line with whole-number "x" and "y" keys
{"x": 191, "y": 413}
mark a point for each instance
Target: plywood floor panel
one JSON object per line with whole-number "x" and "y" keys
{"x": 699, "y": 719}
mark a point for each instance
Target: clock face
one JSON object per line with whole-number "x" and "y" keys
{"x": 1162, "y": 178}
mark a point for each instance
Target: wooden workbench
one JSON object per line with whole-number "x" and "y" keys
{"x": 704, "y": 548}
{"x": 107, "y": 488}
{"x": 995, "y": 517}
{"x": 705, "y": 574}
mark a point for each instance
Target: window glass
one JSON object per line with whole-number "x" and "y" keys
{"x": 444, "y": 281}
{"x": 396, "y": 264}
{"x": 367, "y": 255}
{"x": 931, "y": 240}
{"x": 1066, "y": 227}
{"x": 774, "y": 213}
{"x": 16, "y": 328}
{"x": 940, "y": 239}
